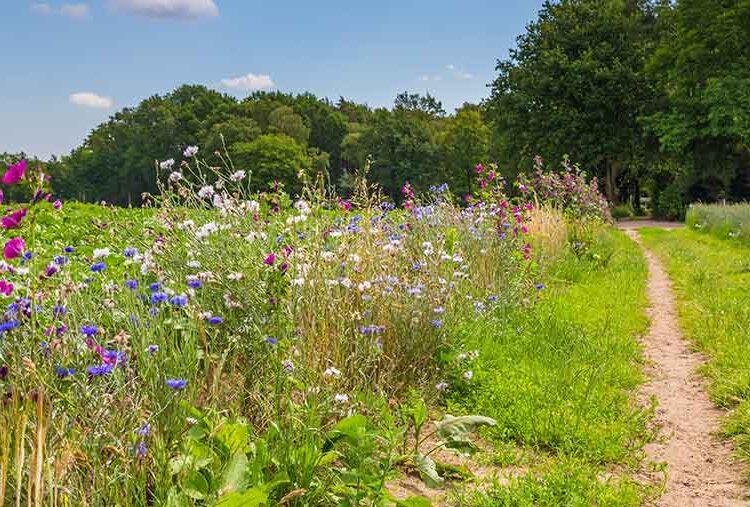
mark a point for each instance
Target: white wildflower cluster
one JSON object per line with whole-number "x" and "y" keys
{"x": 237, "y": 176}
{"x": 190, "y": 151}
{"x": 166, "y": 165}
{"x": 206, "y": 230}
{"x": 206, "y": 192}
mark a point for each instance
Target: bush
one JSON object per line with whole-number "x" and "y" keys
{"x": 622, "y": 211}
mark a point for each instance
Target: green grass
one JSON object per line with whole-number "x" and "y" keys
{"x": 730, "y": 221}
{"x": 712, "y": 283}
{"x": 560, "y": 378}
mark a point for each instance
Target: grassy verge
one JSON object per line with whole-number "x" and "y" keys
{"x": 712, "y": 282}
{"x": 560, "y": 378}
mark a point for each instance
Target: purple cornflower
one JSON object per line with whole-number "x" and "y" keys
{"x": 131, "y": 284}
{"x": 158, "y": 297}
{"x": 130, "y": 252}
{"x": 539, "y": 286}
{"x": 152, "y": 349}
{"x": 437, "y": 323}
{"x": 271, "y": 341}
{"x": 59, "y": 310}
{"x": 89, "y": 330}
{"x": 69, "y": 249}
{"x": 195, "y": 284}
{"x": 64, "y": 372}
{"x": 98, "y": 267}
{"x": 141, "y": 449}
{"x": 372, "y": 329}
{"x": 51, "y": 270}
{"x": 144, "y": 430}
{"x": 99, "y": 370}
{"x": 154, "y": 287}
{"x": 176, "y": 383}
{"x": 180, "y": 301}
{"x": 61, "y": 260}
{"x": 215, "y": 320}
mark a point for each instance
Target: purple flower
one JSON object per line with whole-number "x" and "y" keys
{"x": 69, "y": 249}
{"x": 61, "y": 260}
{"x": 3, "y": 372}
{"x": 215, "y": 321}
{"x": 158, "y": 297}
{"x": 144, "y": 430}
{"x": 50, "y": 270}
{"x": 89, "y": 330}
{"x": 437, "y": 323}
{"x": 15, "y": 172}
{"x": 176, "y": 383}
{"x": 152, "y": 349}
{"x": 131, "y": 284}
{"x": 64, "y": 372}
{"x": 154, "y": 287}
{"x": 99, "y": 370}
{"x": 271, "y": 341}
{"x": 14, "y": 248}
{"x": 180, "y": 301}
{"x": 372, "y": 329}
{"x": 539, "y": 286}
{"x": 195, "y": 284}
{"x": 59, "y": 310}
{"x": 270, "y": 259}
{"x": 130, "y": 252}
{"x": 98, "y": 267}
{"x": 141, "y": 449}
{"x": 14, "y": 219}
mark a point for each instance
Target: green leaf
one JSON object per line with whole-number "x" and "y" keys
{"x": 427, "y": 470}
{"x": 195, "y": 485}
{"x": 180, "y": 463}
{"x": 175, "y": 498}
{"x": 414, "y": 501}
{"x": 456, "y": 430}
{"x": 419, "y": 413}
{"x": 234, "y": 477}
{"x": 234, "y": 437}
{"x": 251, "y": 498}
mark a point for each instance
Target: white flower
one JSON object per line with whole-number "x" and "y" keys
{"x": 166, "y": 164}
{"x": 206, "y": 191}
{"x": 288, "y": 365}
{"x": 302, "y": 206}
{"x": 218, "y": 201}
{"x": 101, "y": 252}
{"x": 441, "y": 386}
{"x": 187, "y": 224}
{"x": 234, "y": 276}
{"x": 190, "y": 151}
{"x": 341, "y": 398}
{"x": 331, "y": 372}
{"x": 468, "y": 375}
{"x": 175, "y": 176}
{"x": 237, "y": 176}
{"x": 206, "y": 230}
{"x": 194, "y": 264}
{"x": 252, "y": 206}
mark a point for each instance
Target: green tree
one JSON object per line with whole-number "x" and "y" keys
{"x": 270, "y": 158}
{"x": 465, "y": 142}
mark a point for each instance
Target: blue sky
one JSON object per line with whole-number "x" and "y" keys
{"x": 68, "y": 65}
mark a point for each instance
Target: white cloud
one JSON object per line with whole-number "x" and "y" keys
{"x": 77, "y": 10}
{"x": 248, "y": 83}
{"x": 458, "y": 73}
{"x": 185, "y": 9}
{"x": 74, "y": 10}
{"x": 89, "y": 99}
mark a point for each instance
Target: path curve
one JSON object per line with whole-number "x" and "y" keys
{"x": 700, "y": 469}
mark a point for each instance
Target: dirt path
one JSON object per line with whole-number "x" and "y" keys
{"x": 699, "y": 466}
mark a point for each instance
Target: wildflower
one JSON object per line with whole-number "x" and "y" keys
{"x": 158, "y": 297}
{"x": 131, "y": 284}
{"x": 175, "y": 176}
{"x": 441, "y": 386}
{"x": 166, "y": 165}
{"x": 154, "y": 287}
{"x": 288, "y": 365}
{"x": 130, "y": 252}
{"x": 3, "y": 372}
{"x": 270, "y": 259}
{"x": 271, "y": 341}
{"x": 206, "y": 191}
{"x": 180, "y": 300}
{"x": 59, "y": 310}
{"x": 539, "y": 286}
{"x": 57, "y": 204}
{"x": 141, "y": 450}
{"x": 99, "y": 370}
{"x": 6, "y": 288}
{"x": 176, "y": 383}
{"x": 61, "y": 260}
{"x": 64, "y": 372}
{"x": 332, "y": 372}
{"x": 101, "y": 252}
{"x": 98, "y": 267}
{"x": 237, "y": 176}
{"x": 439, "y": 310}
{"x": 27, "y": 256}
{"x": 437, "y": 323}
{"x": 195, "y": 284}
{"x": 368, "y": 330}
{"x": 144, "y": 430}
{"x": 190, "y": 151}
{"x": 89, "y": 330}
{"x": 14, "y": 248}
{"x": 215, "y": 321}
{"x": 341, "y": 398}
{"x": 15, "y": 172}
{"x": 14, "y": 219}
{"x": 152, "y": 349}
{"x": 468, "y": 375}
{"x": 69, "y": 249}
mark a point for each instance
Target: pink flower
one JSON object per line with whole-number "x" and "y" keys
{"x": 14, "y": 248}
{"x": 270, "y": 259}
{"x": 479, "y": 168}
{"x": 6, "y": 287}
{"x": 14, "y": 219}
{"x": 15, "y": 172}
{"x": 57, "y": 204}
{"x": 345, "y": 205}
{"x": 2, "y": 196}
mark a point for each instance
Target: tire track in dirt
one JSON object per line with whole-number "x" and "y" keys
{"x": 700, "y": 468}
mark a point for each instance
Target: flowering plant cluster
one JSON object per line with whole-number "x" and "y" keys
{"x": 567, "y": 190}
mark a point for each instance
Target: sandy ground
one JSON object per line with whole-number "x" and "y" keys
{"x": 700, "y": 468}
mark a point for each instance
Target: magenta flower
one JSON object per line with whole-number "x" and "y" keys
{"x": 14, "y": 248}
{"x": 57, "y": 204}
{"x": 14, "y": 219}
{"x": 268, "y": 261}
{"x": 15, "y": 172}
{"x": 6, "y": 288}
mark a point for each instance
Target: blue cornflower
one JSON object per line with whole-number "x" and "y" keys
{"x": 215, "y": 320}
{"x": 88, "y": 280}
{"x": 492, "y": 299}
{"x": 539, "y": 286}
{"x": 89, "y": 330}
{"x": 99, "y": 370}
{"x": 176, "y": 383}
{"x": 271, "y": 341}
{"x": 141, "y": 450}
{"x": 195, "y": 284}
{"x": 114, "y": 357}
{"x": 372, "y": 329}
{"x": 158, "y": 297}
{"x": 130, "y": 252}
{"x": 180, "y": 301}
{"x": 144, "y": 430}
{"x": 64, "y": 372}
{"x": 437, "y": 323}
{"x": 69, "y": 249}
{"x": 152, "y": 349}
{"x": 131, "y": 284}
{"x": 154, "y": 287}
{"x": 98, "y": 267}
{"x": 153, "y": 311}
{"x": 8, "y": 325}
{"x": 28, "y": 256}
{"x": 61, "y": 260}
{"x": 59, "y": 310}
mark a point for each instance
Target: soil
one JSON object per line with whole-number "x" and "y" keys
{"x": 699, "y": 465}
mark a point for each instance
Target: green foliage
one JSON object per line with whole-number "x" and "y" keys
{"x": 272, "y": 158}
{"x": 725, "y": 221}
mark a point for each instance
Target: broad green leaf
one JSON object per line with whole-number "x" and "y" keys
{"x": 180, "y": 463}
{"x": 251, "y": 498}
{"x": 427, "y": 470}
{"x": 456, "y": 430}
{"x": 234, "y": 477}
{"x": 419, "y": 413}
{"x": 234, "y": 437}
{"x": 195, "y": 485}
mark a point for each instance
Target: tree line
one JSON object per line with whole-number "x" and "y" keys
{"x": 651, "y": 96}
